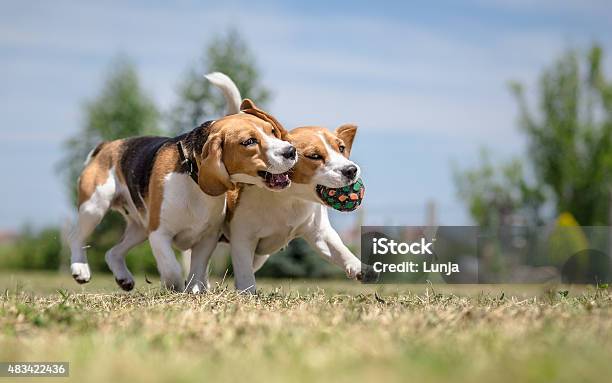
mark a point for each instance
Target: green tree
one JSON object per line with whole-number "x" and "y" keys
{"x": 570, "y": 139}
{"x": 570, "y": 149}
{"x": 122, "y": 109}
{"x": 198, "y": 101}
{"x": 496, "y": 195}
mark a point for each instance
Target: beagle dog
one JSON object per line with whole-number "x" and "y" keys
{"x": 261, "y": 222}
{"x": 173, "y": 190}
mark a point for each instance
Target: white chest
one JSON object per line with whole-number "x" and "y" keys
{"x": 271, "y": 218}
{"x": 187, "y": 213}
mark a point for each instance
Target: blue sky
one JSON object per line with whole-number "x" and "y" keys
{"x": 425, "y": 81}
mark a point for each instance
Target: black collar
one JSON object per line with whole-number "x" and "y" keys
{"x": 188, "y": 144}
{"x": 187, "y": 164}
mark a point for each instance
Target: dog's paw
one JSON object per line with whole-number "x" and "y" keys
{"x": 352, "y": 270}
{"x": 362, "y": 273}
{"x": 368, "y": 274}
{"x": 173, "y": 282}
{"x": 199, "y": 287}
{"x": 80, "y": 272}
{"x": 126, "y": 284}
{"x": 246, "y": 290}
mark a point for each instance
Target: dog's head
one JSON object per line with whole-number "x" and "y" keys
{"x": 248, "y": 147}
{"x": 324, "y": 156}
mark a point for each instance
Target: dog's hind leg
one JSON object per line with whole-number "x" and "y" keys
{"x": 92, "y": 209}
{"x": 133, "y": 235}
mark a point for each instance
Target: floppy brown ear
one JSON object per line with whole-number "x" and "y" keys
{"x": 247, "y": 103}
{"x": 347, "y": 133}
{"x": 212, "y": 176}
{"x": 249, "y": 107}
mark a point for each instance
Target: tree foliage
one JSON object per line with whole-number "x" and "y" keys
{"x": 570, "y": 139}
{"x": 499, "y": 195}
{"x": 570, "y": 148}
{"x": 198, "y": 100}
{"x": 122, "y": 109}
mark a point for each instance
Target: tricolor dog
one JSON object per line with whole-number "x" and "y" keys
{"x": 173, "y": 190}
{"x": 261, "y": 222}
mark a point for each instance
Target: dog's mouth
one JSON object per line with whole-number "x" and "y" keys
{"x": 275, "y": 181}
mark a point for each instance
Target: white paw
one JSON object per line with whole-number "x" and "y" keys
{"x": 80, "y": 272}
{"x": 352, "y": 270}
{"x": 198, "y": 287}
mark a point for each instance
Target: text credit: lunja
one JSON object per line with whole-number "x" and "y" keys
{"x": 385, "y": 246}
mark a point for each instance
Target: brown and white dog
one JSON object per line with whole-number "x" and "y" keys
{"x": 172, "y": 190}
{"x": 261, "y": 222}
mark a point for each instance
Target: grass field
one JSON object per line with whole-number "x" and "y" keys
{"x": 308, "y": 331}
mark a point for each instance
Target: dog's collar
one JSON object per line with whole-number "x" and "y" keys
{"x": 187, "y": 164}
{"x": 190, "y": 143}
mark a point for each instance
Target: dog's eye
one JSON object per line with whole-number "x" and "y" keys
{"x": 341, "y": 148}
{"x": 249, "y": 142}
{"x": 274, "y": 131}
{"x": 314, "y": 156}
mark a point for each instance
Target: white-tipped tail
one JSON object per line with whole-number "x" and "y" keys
{"x": 229, "y": 89}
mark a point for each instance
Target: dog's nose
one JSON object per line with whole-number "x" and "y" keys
{"x": 349, "y": 171}
{"x": 289, "y": 153}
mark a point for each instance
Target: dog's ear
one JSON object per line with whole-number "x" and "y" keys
{"x": 249, "y": 107}
{"x": 347, "y": 133}
{"x": 213, "y": 177}
{"x": 247, "y": 103}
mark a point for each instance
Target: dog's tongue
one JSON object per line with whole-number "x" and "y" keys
{"x": 278, "y": 180}
{"x": 278, "y": 177}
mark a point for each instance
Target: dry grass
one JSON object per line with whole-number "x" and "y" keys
{"x": 298, "y": 332}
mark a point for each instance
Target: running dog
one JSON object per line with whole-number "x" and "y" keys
{"x": 262, "y": 221}
{"x": 173, "y": 190}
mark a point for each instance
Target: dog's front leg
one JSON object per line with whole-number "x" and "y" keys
{"x": 329, "y": 246}
{"x": 242, "y": 252}
{"x": 197, "y": 280}
{"x": 322, "y": 236}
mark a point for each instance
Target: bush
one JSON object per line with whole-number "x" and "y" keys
{"x": 34, "y": 250}
{"x": 42, "y": 249}
{"x": 298, "y": 260}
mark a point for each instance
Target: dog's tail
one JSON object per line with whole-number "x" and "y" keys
{"x": 229, "y": 89}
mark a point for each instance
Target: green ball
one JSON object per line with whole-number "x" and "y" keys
{"x": 346, "y": 198}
